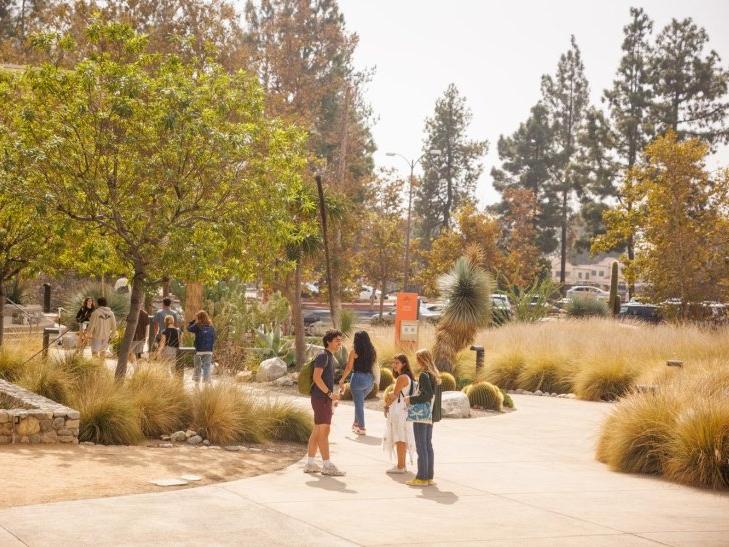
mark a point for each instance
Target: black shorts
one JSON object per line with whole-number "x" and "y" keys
{"x": 322, "y": 410}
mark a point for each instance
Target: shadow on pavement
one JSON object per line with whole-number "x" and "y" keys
{"x": 439, "y": 496}
{"x": 365, "y": 439}
{"x": 332, "y": 484}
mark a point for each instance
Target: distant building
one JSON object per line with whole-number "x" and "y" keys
{"x": 584, "y": 271}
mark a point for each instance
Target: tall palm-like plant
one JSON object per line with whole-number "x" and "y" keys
{"x": 467, "y": 288}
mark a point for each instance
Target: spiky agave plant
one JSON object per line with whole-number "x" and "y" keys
{"x": 467, "y": 288}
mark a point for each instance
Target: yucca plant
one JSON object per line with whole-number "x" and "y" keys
{"x": 118, "y": 302}
{"x": 467, "y": 288}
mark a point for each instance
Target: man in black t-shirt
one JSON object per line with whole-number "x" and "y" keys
{"x": 322, "y": 400}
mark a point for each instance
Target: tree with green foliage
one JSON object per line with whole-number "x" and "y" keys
{"x": 175, "y": 163}
{"x": 566, "y": 98}
{"x": 451, "y": 165}
{"x": 526, "y": 161}
{"x": 689, "y": 84}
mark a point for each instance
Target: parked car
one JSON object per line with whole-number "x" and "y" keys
{"x": 366, "y": 292}
{"x": 430, "y": 312}
{"x": 500, "y": 308}
{"x": 587, "y": 290}
{"x": 312, "y": 316}
{"x": 388, "y": 318}
{"x": 648, "y": 313}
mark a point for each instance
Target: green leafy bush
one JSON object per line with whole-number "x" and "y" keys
{"x": 586, "y": 306}
{"x": 485, "y": 395}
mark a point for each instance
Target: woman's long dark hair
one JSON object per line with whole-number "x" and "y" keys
{"x": 366, "y": 353}
{"x": 406, "y": 370}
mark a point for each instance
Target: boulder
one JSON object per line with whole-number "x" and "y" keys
{"x": 454, "y": 404}
{"x": 271, "y": 369}
{"x": 178, "y": 436}
{"x": 195, "y": 439}
{"x": 284, "y": 381}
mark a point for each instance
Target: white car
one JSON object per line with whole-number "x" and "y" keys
{"x": 366, "y": 292}
{"x": 586, "y": 290}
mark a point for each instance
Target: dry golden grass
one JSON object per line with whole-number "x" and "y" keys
{"x": 160, "y": 399}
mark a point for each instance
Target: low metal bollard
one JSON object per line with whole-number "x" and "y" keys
{"x": 480, "y": 353}
{"x": 46, "y": 298}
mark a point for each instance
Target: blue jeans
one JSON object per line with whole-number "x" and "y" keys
{"x": 203, "y": 363}
{"x": 424, "y": 447}
{"x": 360, "y": 385}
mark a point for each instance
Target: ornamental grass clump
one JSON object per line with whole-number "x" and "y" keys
{"x": 49, "y": 380}
{"x": 11, "y": 364}
{"x": 79, "y": 369}
{"x": 605, "y": 379}
{"x": 108, "y": 414}
{"x": 586, "y": 306}
{"x": 485, "y": 395}
{"x": 504, "y": 371}
{"x": 223, "y": 414}
{"x": 547, "y": 372}
{"x": 287, "y": 422}
{"x": 160, "y": 399}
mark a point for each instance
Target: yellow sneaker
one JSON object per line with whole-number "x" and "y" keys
{"x": 417, "y": 482}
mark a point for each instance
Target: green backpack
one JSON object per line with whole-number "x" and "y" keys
{"x": 306, "y": 377}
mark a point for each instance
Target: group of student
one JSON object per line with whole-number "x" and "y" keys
{"x": 98, "y": 326}
{"x": 411, "y": 408}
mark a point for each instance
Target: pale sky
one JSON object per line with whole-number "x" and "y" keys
{"x": 495, "y": 52}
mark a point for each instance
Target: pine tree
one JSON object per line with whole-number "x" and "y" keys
{"x": 526, "y": 159}
{"x": 689, "y": 84}
{"x": 565, "y": 96}
{"x": 451, "y": 164}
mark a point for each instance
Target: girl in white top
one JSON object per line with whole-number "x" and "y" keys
{"x": 399, "y": 432}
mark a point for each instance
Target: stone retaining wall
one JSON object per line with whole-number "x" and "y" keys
{"x": 36, "y": 419}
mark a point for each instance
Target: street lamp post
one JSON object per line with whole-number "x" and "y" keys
{"x": 412, "y": 164}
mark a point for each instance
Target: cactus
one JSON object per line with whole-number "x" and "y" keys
{"x": 386, "y": 378}
{"x": 346, "y": 394}
{"x": 614, "y": 302}
{"x": 447, "y": 382}
{"x": 485, "y": 395}
{"x": 508, "y": 401}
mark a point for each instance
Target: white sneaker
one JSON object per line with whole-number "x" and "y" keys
{"x": 332, "y": 471}
{"x": 397, "y": 470}
{"x": 312, "y": 468}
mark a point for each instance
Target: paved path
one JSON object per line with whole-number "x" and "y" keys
{"x": 525, "y": 478}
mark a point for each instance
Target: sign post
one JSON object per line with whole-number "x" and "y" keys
{"x": 406, "y": 319}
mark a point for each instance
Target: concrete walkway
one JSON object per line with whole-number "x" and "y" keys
{"x": 525, "y": 478}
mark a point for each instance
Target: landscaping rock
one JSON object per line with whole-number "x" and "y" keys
{"x": 195, "y": 439}
{"x": 206, "y": 442}
{"x": 88, "y": 443}
{"x": 284, "y": 381}
{"x": 244, "y": 376}
{"x": 190, "y": 433}
{"x": 4, "y": 416}
{"x": 165, "y": 438}
{"x": 169, "y": 482}
{"x": 232, "y": 448}
{"x": 165, "y": 445}
{"x": 178, "y": 437}
{"x": 538, "y": 392}
{"x": 571, "y": 396}
{"x": 454, "y": 404}
{"x": 27, "y": 427}
{"x": 271, "y": 369}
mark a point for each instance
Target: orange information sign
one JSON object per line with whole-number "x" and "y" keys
{"x": 406, "y": 310}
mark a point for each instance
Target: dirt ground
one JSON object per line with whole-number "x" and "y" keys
{"x": 46, "y": 473}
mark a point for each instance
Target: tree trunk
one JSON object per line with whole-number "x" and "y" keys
{"x": 132, "y": 319}
{"x": 298, "y": 317}
{"x": 165, "y": 286}
{"x": 325, "y": 239}
{"x": 2, "y": 312}
{"x": 336, "y": 285}
{"x": 382, "y": 297}
{"x": 193, "y": 299}
{"x": 563, "y": 244}
{"x": 631, "y": 258}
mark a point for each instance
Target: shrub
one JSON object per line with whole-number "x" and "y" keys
{"x": 636, "y": 435}
{"x": 118, "y": 302}
{"x": 11, "y": 365}
{"x": 108, "y": 415}
{"x": 586, "y": 306}
{"x": 222, "y": 413}
{"x": 49, "y": 380}
{"x": 447, "y": 382}
{"x": 604, "y": 380}
{"x": 286, "y": 422}
{"x": 698, "y": 450}
{"x": 546, "y": 372}
{"x": 508, "y": 401}
{"x": 485, "y": 395}
{"x": 160, "y": 399}
{"x": 505, "y": 370}
{"x": 386, "y": 378}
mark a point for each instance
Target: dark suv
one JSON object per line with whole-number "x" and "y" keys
{"x": 641, "y": 312}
